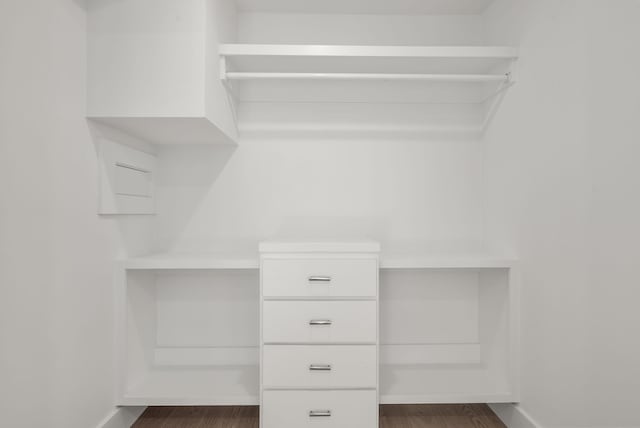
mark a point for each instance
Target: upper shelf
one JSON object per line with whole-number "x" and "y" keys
{"x": 404, "y": 78}
{"x": 456, "y": 64}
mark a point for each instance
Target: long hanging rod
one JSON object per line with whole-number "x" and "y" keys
{"x": 242, "y": 75}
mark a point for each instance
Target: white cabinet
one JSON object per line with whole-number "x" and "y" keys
{"x": 319, "y": 335}
{"x": 153, "y": 69}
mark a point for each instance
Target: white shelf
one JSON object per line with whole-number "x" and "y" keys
{"x": 440, "y": 64}
{"x": 270, "y": 50}
{"x": 193, "y": 261}
{"x": 407, "y": 260}
{"x": 281, "y": 89}
{"x": 195, "y": 386}
{"x": 440, "y": 261}
{"x": 415, "y": 384}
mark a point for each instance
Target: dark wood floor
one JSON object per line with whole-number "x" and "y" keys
{"x": 391, "y": 416}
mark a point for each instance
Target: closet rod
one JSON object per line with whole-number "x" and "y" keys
{"x": 242, "y": 75}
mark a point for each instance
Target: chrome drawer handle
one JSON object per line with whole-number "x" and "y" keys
{"x": 320, "y": 322}
{"x": 319, "y": 278}
{"x": 320, "y": 367}
{"x": 321, "y": 413}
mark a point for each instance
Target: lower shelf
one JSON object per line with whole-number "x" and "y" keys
{"x": 197, "y": 386}
{"x": 239, "y": 385}
{"x": 442, "y": 383}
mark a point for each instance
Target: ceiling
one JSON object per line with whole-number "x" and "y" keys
{"x": 382, "y": 7}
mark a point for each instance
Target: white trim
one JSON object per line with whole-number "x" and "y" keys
{"x": 514, "y": 416}
{"x": 121, "y": 417}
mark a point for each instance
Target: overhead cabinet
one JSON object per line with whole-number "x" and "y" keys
{"x": 153, "y": 69}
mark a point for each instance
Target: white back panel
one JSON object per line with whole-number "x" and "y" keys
{"x": 207, "y": 308}
{"x": 390, "y": 191}
{"x": 428, "y": 306}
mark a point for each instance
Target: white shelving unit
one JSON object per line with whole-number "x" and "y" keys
{"x": 457, "y": 88}
{"x": 449, "y": 329}
{"x": 247, "y": 260}
{"x": 153, "y": 72}
{"x": 471, "y": 64}
{"x": 185, "y": 333}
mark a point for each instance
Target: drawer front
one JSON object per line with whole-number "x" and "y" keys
{"x": 326, "y": 409}
{"x": 319, "y": 322}
{"x": 319, "y": 277}
{"x": 319, "y": 366}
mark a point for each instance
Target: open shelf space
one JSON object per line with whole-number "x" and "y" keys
{"x": 447, "y": 335}
{"x": 197, "y": 386}
{"x": 455, "y": 383}
{"x": 188, "y": 336}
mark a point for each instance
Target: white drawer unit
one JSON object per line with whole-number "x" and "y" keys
{"x": 319, "y": 322}
{"x": 310, "y": 366}
{"x": 327, "y": 409}
{"x": 320, "y": 277}
{"x": 319, "y": 335}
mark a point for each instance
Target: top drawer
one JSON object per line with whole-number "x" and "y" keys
{"x": 319, "y": 277}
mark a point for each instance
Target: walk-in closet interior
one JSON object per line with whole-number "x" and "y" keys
{"x": 323, "y": 207}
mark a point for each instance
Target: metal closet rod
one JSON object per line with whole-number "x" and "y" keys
{"x": 245, "y": 75}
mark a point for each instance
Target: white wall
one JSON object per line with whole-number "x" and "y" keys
{"x": 562, "y": 190}
{"x": 221, "y": 197}
{"x": 56, "y": 302}
{"x": 324, "y": 29}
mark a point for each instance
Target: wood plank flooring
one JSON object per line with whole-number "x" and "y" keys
{"x": 391, "y": 416}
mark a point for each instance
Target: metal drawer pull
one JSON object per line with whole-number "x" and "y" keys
{"x": 320, "y": 367}
{"x": 317, "y": 413}
{"x": 316, "y": 278}
{"x": 320, "y": 322}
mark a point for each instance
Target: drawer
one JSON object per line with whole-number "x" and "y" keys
{"x": 319, "y": 366}
{"x": 319, "y": 277}
{"x": 327, "y": 409}
{"x": 319, "y": 322}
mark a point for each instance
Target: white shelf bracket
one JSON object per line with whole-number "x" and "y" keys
{"x": 228, "y": 88}
{"x": 496, "y": 98}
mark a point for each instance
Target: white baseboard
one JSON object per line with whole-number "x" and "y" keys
{"x": 122, "y": 417}
{"x": 513, "y": 416}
